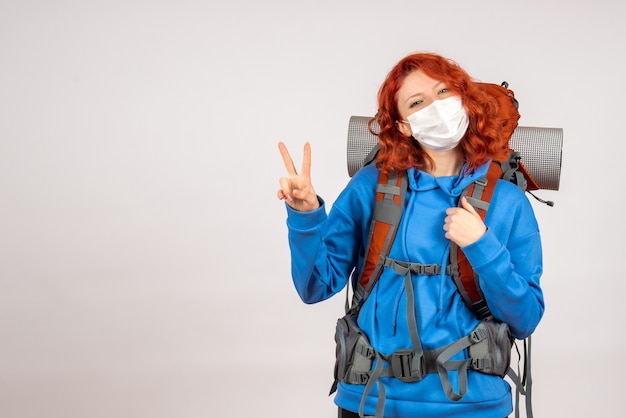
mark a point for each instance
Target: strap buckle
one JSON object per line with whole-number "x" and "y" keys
{"x": 480, "y": 363}
{"x": 359, "y": 378}
{"x": 477, "y": 335}
{"x": 425, "y": 269}
{"x": 407, "y": 366}
{"x": 481, "y": 182}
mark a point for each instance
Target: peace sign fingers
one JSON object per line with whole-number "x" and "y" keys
{"x": 297, "y": 189}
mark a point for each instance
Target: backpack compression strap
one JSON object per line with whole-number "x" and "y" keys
{"x": 388, "y": 209}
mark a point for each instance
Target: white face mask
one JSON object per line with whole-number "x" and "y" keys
{"x": 440, "y": 125}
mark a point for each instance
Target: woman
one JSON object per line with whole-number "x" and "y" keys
{"x": 443, "y": 130}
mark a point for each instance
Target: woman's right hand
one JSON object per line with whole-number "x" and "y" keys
{"x": 297, "y": 190}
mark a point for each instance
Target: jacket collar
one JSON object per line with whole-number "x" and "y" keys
{"x": 454, "y": 185}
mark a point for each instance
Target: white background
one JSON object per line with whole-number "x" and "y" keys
{"x": 144, "y": 268}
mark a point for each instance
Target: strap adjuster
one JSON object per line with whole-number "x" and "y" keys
{"x": 481, "y": 182}
{"x": 365, "y": 350}
{"x": 359, "y": 378}
{"x": 477, "y": 335}
{"x": 480, "y": 363}
{"x": 407, "y": 366}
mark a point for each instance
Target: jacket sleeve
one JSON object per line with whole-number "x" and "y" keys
{"x": 508, "y": 259}
{"x": 324, "y": 250}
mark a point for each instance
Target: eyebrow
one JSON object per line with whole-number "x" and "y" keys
{"x": 420, "y": 93}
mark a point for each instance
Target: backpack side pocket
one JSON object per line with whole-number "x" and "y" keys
{"x": 492, "y": 355}
{"x": 353, "y": 353}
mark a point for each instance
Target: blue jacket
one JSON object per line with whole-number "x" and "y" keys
{"x": 325, "y": 249}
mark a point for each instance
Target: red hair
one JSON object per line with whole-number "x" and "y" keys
{"x": 480, "y": 143}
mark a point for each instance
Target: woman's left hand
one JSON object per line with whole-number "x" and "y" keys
{"x": 463, "y": 225}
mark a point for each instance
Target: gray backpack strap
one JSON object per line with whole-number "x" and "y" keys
{"x": 417, "y": 361}
{"x": 510, "y": 170}
{"x": 489, "y": 351}
{"x": 410, "y": 362}
{"x": 374, "y": 378}
{"x": 474, "y": 199}
{"x": 371, "y": 156}
{"x": 444, "y": 365}
{"x": 523, "y": 381}
{"x": 400, "y": 267}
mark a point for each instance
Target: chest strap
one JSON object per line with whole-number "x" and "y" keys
{"x": 404, "y": 267}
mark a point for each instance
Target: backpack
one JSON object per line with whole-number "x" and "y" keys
{"x": 387, "y": 213}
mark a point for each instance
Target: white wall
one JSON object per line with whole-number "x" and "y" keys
{"x": 144, "y": 269}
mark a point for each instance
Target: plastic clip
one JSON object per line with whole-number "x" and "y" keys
{"x": 406, "y": 366}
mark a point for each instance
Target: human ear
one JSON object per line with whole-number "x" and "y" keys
{"x": 404, "y": 128}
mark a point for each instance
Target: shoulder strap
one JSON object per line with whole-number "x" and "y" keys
{"x": 478, "y": 194}
{"x": 388, "y": 208}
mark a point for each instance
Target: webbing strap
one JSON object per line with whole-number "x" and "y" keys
{"x": 433, "y": 361}
{"x": 454, "y": 257}
{"x": 523, "y": 382}
{"x": 418, "y": 352}
{"x": 529, "y": 378}
{"x": 374, "y": 378}
{"x": 401, "y": 267}
{"x": 511, "y": 171}
{"x": 444, "y": 364}
{"x": 416, "y": 368}
{"x": 390, "y": 190}
{"x": 474, "y": 198}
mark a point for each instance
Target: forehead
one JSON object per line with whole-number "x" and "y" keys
{"x": 417, "y": 82}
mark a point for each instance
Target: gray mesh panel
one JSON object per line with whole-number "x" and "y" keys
{"x": 540, "y": 149}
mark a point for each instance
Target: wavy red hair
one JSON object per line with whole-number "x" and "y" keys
{"x": 481, "y": 141}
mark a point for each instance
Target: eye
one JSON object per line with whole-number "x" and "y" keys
{"x": 444, "y": 90}
{"x": 415, "y": 104}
